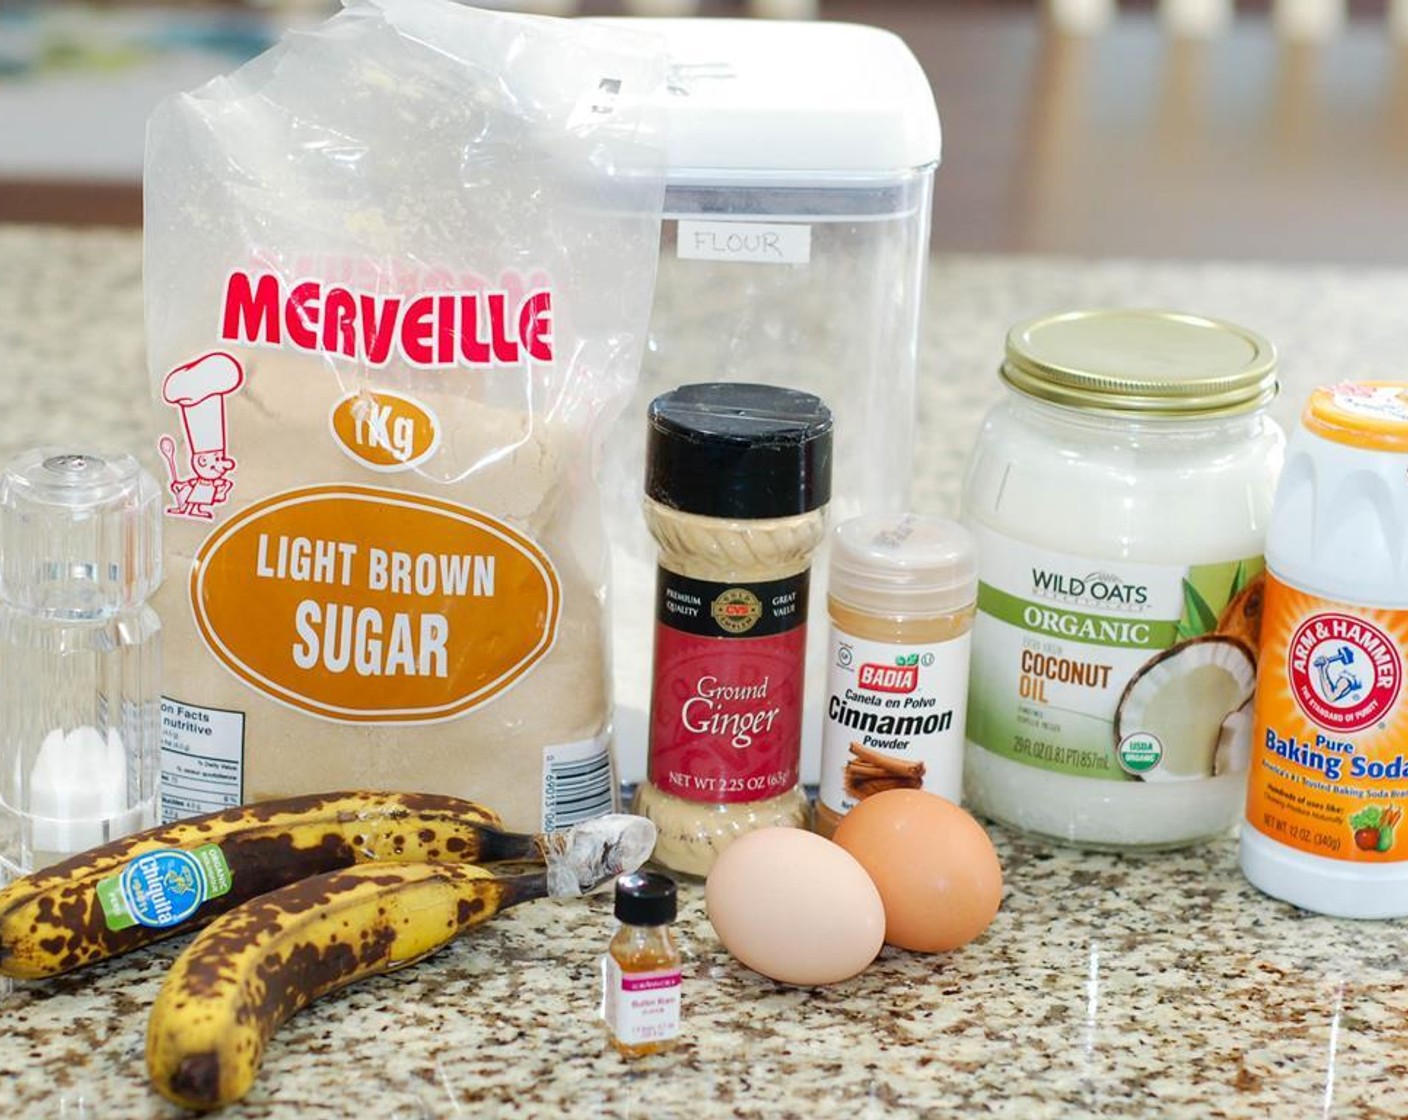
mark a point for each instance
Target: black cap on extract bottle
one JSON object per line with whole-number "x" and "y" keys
{"x": 739, "y": 451}
{"x": 646, "y": 898}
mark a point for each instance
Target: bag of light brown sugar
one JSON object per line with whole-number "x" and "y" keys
{"x": 398, "y": 275}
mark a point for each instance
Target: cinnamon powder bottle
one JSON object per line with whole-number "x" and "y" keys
{"x": 902, "y": 593}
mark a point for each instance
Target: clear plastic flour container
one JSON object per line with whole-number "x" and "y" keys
{"x": 794, "y": 252}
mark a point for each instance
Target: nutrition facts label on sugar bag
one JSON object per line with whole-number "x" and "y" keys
{"x": 202, "y": 759}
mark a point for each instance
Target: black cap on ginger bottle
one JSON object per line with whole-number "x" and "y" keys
{"x": 739, "y": 451}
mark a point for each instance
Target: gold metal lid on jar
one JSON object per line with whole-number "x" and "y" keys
{"x": 1141, "y": 363}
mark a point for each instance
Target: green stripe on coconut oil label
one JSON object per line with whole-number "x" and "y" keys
{"x": 1126, "y": 672}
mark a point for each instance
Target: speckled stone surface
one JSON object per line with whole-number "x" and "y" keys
{"x": 1152, "y": 986}
{"x": 1108, "y": 986}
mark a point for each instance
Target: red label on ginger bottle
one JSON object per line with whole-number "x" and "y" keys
{"x": 726, "y": 708}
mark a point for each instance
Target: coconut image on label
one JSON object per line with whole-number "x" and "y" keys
{"x": 1186, "y": 713}
{"x": 1241, "y": 618}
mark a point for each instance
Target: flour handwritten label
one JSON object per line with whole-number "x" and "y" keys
{"x": 744, "y": 242}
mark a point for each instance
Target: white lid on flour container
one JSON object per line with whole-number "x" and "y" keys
{"x": 767, "y": 95}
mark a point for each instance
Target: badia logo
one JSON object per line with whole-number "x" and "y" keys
{"x": 1345, "y": 673}
{"x": 163, "y": 888}
{"x": 874, "y": 677}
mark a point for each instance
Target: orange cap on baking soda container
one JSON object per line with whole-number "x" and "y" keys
{"x": 1328, "y": 776}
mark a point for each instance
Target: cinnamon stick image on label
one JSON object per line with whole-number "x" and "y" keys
{"x": 869, "y": 772}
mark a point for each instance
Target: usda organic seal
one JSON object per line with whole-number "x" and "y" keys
{"x": 1140, "y": 752}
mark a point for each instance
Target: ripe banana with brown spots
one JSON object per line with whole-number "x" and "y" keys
{"x": 258, "y": 964}
{"x": 174, "y": 878}
{"x": 254, "y": 967}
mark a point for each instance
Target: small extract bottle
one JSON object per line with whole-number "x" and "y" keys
{"x": 901, "y": 600}
{"x": 641, "y": 970}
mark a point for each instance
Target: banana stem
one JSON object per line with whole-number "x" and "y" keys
{"x": 596, "y": 851}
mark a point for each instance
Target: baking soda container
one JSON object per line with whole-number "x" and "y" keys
{"x": 1329, "y": 776}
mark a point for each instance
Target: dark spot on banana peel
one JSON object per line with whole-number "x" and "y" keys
{"x": 454, "y": 808}
{"x": 378, "y": 946}
{"x": 305, "y": 972}
{"x": 197, "y": 1079}
{"x": 244, "y": 1016}
{"x": 261, "y": 918}
{"x": 468, "y": 907}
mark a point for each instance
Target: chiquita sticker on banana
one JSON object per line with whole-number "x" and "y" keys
{"x": 373, "y": 603}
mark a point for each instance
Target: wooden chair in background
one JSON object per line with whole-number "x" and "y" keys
{"x": 1188, "y": 124}
{"x": 1294, "y": 20}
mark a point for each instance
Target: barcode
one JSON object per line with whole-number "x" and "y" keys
{"x": 578, "y": 784}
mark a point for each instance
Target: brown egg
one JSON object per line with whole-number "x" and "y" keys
{"x": 794, "y": 907}
{"x": 936, "y": 870}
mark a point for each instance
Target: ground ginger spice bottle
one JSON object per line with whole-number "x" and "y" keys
{"x": 738, "y": 477}
{"x": 901, "y": 601}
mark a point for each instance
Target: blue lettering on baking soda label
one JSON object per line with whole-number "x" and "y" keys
{"x": 164, "y": 888}
{"x": 1110, "y": 669}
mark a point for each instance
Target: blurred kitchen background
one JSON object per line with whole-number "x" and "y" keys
{"x": 1260, "y": 130}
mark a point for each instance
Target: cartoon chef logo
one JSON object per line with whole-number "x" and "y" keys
{"x": 199, "y": 389}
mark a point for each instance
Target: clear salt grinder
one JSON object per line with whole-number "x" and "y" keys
{"x": 80, "y": 655}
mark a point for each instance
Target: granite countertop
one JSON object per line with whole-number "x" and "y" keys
{"x": 1159, "y": 985}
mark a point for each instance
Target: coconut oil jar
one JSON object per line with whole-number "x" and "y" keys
{"x": 1119, "y": 496}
